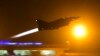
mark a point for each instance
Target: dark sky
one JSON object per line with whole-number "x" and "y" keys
{"x": 18, "y": 15}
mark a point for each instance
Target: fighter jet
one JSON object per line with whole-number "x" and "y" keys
{"x": 42, "y": 25}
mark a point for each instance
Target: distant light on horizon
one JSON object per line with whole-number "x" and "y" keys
{"x": 25, "y": 33}
{"x": 47, "y": 52}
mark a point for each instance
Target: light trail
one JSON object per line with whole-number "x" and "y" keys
{"x": 25, "y": 33}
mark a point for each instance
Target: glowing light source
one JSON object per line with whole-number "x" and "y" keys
{"x": 25, "y": 33}
{"x": 3, "y": 52}
{"x": 48, "y": 52}
{"x": 79, "y": 31}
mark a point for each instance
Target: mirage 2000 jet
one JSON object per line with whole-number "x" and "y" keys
{"x": 43, "y": 25}
{"x": 56, "y": 24}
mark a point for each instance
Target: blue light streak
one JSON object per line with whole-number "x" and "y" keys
{"x": 7, "y": 43}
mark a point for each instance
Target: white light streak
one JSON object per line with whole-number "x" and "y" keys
{"x": 25, "y": 33}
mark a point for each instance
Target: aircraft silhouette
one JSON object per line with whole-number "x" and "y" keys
{"x": 42, "y": 25}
